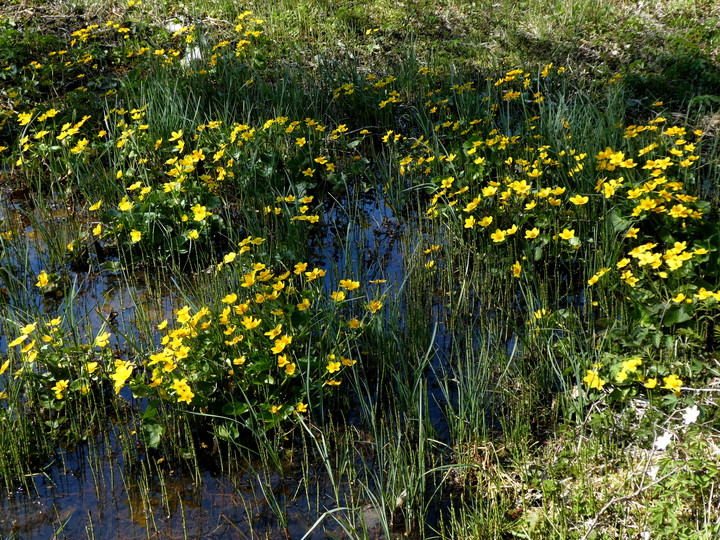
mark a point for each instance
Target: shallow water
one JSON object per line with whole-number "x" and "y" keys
{"x": 92, "y": 492}
{"x": 89, "y": 490}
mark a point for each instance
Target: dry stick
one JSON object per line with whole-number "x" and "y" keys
{"x": 625, "y": 498}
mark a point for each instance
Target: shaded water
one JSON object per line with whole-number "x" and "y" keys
{"x": 91, "y": 491}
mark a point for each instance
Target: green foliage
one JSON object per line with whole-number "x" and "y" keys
{"x": 176, "y": 223}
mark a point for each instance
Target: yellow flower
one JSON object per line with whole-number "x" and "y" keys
{"x": 622, "y": 263}
{"x": 229, "y": 257}
{"x": 24, "y": 118}
{"x": 4, "y": 367}
{"x": 184, "y": 393}
{"x": 651, "y": 383}
{"x": 193, "y": 234}
{"x": 354, "y": 323}
{"x": 123, "y": 370}
{"x": 60, "y": 387}
{"x": 125, "y": 205}
{"x": 282, "y": 360}
{"x": 600, "y": 273}
{"x": 102, "y": 339}
{"x": 632, "y": 364}
{"x": 305, "y": 304}
{"x": 516, "y": 268}
{"x": 532, "y": 233}
{"x": 314, "y": 274}
{"x": 250, "y": 322}
{"x": 28, "y": 329}
{"x": 338, "y": 296}
{"x": 374, "y": 305}
{"x": 18, "y": 340}
{"x": 135, "y": 236}
{"x": 498, "y": 235}
{"x": 96, "y": 206}
{"x": 470, "y": 222}
{"x": 673, "y": 383}
{"x": 593, "y": 379}
{"x": 97, "y": 230}
{"x": 567, "y": 234}
{"x": 200, "y": 212}
{"x": 301, "y": 407}
{"x": 486, "y": 221}
{"x": 290, "y": 368}
{"x": 229, "y": 299}
{"x": 29, "y": 347}
{"x": 43, "y": 279}
{"x": 275, "y": 332}
{"x": 332, "y": 367}
{"x": 281, "y": 343}
{"x": 579, "y": 200}
{"x": 349, "y": 284}
{"x": 248, "y": 280}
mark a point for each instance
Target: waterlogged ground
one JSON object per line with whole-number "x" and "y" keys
{"x": 90, "y": 490}
{"x": 297, "y": 273}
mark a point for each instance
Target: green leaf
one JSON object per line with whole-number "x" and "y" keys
{"x": 677, "y": 314}
{"x": 619, "y": 223}
{"x": 235, "y": 409}
{"x": 152, "y": 433}
{"x": 227, "y": 431}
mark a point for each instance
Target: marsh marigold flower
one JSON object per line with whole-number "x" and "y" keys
{"x": 199, "y": 212}
{"x": 498, "y": 236}
{"x": 332, "y": 367}
{"x": 125, "y": 205}
{"x": 593, "y": 379}
{"x": 60, "y": 387}
{"x": 102, "y": 339}
{"x": 673, "y": 383}
{"x": 43, "y": 279}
